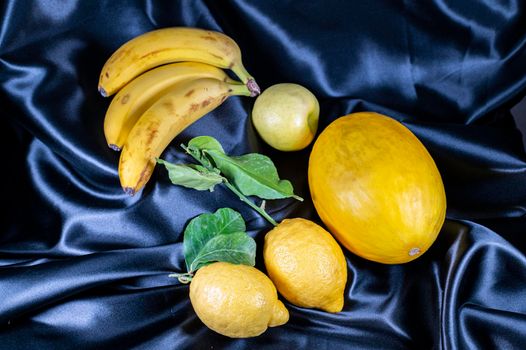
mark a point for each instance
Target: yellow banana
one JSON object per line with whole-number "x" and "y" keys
{"x": 163, "y": 121}
{"x": 140, "y": 93}
{"x": 169, "y": 45}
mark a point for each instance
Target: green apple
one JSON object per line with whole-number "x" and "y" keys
{"x": 286, "y": 116}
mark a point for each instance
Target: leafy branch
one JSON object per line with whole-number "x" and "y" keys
{"x": 250, "y": 174}
{"x": 218, "y": 236}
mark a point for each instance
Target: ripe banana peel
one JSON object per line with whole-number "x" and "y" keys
{"x": 170, "y": 45}
{"x": 184, "y": 104}
{"x": 140, "y": 93}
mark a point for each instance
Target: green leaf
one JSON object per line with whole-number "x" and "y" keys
{"x": 192, "y": 176}
{"x": 197, "y": 145}
{"x": 205, "y": 143}
{"x": 247, "y": 175}
{"x": 253, "y": 174}
{"x": 207, "y": 238}
{"x": 235, "y": 248}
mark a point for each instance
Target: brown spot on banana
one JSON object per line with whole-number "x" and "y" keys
{"x": 189, "y": 93}
{"x": 206, "y": 102}
{"x": 145, "y": 176}
{"x": 216, "y": 56}
{"x": 229, "y": 49}
{"x": 170, "y": 108}
{"x": 107, "y": 74}
{"x": 125, "y": 99}
{"x": 153, "y": 53}
{"x": 118, "y": 55}
{"x": 151, "y": 135}
{"x": 194, "y": 107}
{"x": 209, "y": 38}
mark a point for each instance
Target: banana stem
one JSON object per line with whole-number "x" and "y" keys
{"x": 247, "y": 79}
{"x": 253, "y": 87}
{"x": 249, "y": 202}
{"x": 242, "y": 90}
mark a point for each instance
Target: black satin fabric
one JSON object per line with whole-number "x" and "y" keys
{"x": 84, "y": 266}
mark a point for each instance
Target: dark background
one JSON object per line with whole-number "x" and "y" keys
{"x": 84, "y": 266}
{"x": 519, "y": 114}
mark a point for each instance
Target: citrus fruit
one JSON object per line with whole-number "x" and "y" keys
{"x": 377, "y": 188}
{"x": 306, "y": 264}
{"x": 238, "y": 301}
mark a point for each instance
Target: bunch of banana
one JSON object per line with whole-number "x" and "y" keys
{"x": 165, "y": 80}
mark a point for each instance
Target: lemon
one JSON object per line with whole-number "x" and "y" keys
{"x": 306, "y": 264}
{"x": 238, "y": 301}
{"x": 286, "y": 116}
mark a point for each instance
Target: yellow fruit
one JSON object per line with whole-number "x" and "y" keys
{"x": 143, "y": 91}
{"x": 377, "y": 188}
{"x": 238, "y": 301}
{"x": 306, "y": 264}
{"x": 177, "y": 109}
{"x": 168, "y": 45}
{"x": 286, "y": 116}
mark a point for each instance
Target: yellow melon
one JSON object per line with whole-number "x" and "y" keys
{"x": 377, "y": 188}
